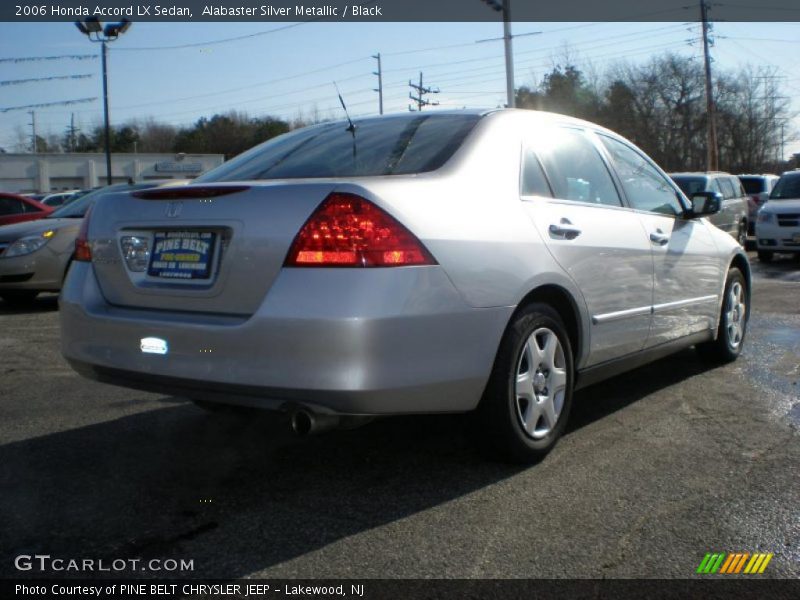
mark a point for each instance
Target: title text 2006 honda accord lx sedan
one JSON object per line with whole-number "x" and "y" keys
{"x": 462, "y": 261}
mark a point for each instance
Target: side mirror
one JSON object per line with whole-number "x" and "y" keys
{"x": 705, "y": 203}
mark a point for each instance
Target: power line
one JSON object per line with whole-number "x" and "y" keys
{"x": 20, "y": 59}
{"x": 214, "y": 42}
{"x": 39, "y": 79}
{"x": 47, "y": 104}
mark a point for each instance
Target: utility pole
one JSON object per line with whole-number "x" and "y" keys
{"x": 511, "y": 101}
{"x": 34, "y": 144}
{"x": 71, "y": 133}
{"x": 712, "y": 151}
{"x": 771, "y": 100}
{"x": 379, "y": 73}
{"x": 505, "y": 7}
{"x": 421, "y": 92}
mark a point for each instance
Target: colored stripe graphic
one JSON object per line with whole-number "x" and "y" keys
{"x": 741, "y": 562}
{"x": 766, "y": 562}
{"x": 703, "y": 563}
{"x": 734, "y": 563}
{"x": 726, "y": 565}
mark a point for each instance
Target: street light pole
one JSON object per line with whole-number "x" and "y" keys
{"x": 92, "y": 28}
{"x": 106, "y": 118}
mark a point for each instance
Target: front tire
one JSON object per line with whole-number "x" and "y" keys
{"x": 732, "y": 322}
{"x": 527, "y": 400}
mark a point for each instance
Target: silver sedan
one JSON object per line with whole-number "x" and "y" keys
{"x": 489, "y": 262}
{"x": 35, "y": 255}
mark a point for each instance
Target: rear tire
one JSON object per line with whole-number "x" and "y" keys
{"x": 19, "y": 298}
{"x": 741, "y": 234}
{"x": 732, "y": 322}
{"x": 765, "y": 255}
{"x": 527, "y": 400}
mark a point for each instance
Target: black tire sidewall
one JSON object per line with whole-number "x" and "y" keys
{"x": 499, "y": 402}
{"x": 734, "y": 275}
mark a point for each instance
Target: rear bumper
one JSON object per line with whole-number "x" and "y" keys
{"x": 351, "y": 341}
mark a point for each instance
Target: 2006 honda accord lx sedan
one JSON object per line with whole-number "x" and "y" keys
{"x": 490, "y": 262}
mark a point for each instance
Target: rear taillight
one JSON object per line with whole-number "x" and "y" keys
{"x": 756, "y": 198}
{"x": 349, "y": 231}
{"x": 83, "y": 251}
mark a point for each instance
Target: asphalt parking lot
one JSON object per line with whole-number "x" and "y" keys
{"x": 658, "y": 467}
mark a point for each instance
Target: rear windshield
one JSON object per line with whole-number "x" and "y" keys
{"x": 788, "y": 187}
{"x": 754, "y": 185}
{"x": 393, "y": 146}
{"x": 77, "y": 208}
{"x": 689, "y": 185}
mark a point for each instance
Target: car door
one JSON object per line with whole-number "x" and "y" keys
{"x": 686, "y": 271}
{"x": 573, "y": 202}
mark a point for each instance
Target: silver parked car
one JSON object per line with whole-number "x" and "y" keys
{"x": 35, "y": 255}
{"x": 442, "y": 262}
{"x": 734, "y": 202}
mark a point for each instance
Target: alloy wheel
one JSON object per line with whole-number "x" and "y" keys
{"x": 541, "y": 383}
{"x": 735, "y": 312}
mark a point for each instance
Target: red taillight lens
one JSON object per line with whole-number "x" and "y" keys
{"x": 349, "y": 231}
{"x": 83, "y": 251}
{"x": 756, "y": 199}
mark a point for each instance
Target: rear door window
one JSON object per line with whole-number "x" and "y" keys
{"x": 576, "y": 170}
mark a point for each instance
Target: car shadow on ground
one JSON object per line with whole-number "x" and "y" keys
{"x": 240, "y": 495}
{"x": 42, "y": 303}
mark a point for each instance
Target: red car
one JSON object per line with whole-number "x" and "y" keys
{"x": 16, "y": 209}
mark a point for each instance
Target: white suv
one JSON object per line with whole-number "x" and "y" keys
{"x": 778, "y": 223}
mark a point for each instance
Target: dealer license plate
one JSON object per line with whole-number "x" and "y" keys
{"x": 182, "y": 254}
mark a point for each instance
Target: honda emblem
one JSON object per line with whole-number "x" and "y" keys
{"x": 174, "y": 209}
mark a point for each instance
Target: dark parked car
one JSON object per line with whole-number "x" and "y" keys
{"x": 16, "y": 209}
{"x": 758, "y": 188}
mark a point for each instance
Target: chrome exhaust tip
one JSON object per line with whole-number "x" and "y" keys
{"x": 305, "y": 422}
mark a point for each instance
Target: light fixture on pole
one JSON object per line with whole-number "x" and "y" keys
{"x": 93, "y": 29}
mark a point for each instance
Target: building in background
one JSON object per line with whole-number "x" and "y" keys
{"x": 42, "y": 173}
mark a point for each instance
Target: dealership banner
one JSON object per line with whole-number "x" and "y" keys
{"x": 283, "y": 11}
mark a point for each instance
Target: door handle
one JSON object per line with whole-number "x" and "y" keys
{"x": 659, "y": 237}
{"x": 564, "y": 230}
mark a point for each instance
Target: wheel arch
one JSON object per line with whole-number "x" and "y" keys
{"x": 740, "y": 262}
{"x": 560, "y": 300}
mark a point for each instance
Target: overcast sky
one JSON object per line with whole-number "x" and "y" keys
{"x": 178, "y": 72}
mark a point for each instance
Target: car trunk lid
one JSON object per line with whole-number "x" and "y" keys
{"x": 198, "y": 248}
